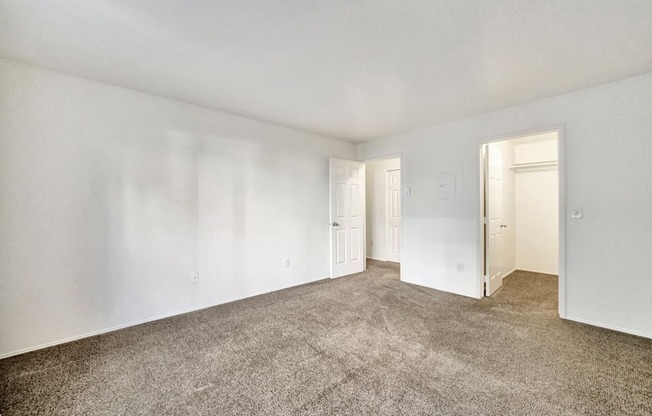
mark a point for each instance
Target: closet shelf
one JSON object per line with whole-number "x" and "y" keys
{"x": 531, "y": 165}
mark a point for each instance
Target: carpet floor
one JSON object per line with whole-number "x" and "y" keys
{"x": 364, "y": 344}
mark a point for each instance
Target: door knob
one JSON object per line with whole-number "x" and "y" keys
{"x": 335, "y": 224}
{"x": 503, "y": 226}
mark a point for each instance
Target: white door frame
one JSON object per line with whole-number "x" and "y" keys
{"x": 561, "y": 170}
{"x": 398, "y": 156}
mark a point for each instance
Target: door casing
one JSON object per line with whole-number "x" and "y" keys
{"x": 561, "y": 187}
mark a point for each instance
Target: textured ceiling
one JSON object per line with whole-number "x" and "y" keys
{"x": 355, "y": 70}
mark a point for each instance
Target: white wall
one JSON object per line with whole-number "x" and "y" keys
{"x": 537, "y": 205}
{"x": 110, "y": 199}
{"x": 376, "y": 187}
{"x": 508, "y": 257}
{"x": 608, "y": 173}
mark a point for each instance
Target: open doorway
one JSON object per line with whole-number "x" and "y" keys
{"x": 383, "y": 210}
{"x": 520, "y": 210}
{"x": 365, "y": 215}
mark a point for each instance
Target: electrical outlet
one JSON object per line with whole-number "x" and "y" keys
{"x": 577, "y": 214}
{"x": 286, "y": 261}
{"x": 460, "y": 267}
{"x": 194, "y": 278}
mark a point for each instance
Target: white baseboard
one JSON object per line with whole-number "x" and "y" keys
{"x": 373, "y": 258}
{"x": 99, "y": 332}
{"x": 510, "y": 272}
{"x": 139, "y": 322}
{"x": 535, "y": 271}
{"x": 611, "y": 327}
{"x": 106, "y": 330}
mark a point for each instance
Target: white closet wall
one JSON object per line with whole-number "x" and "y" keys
{"x": 537, "y": 238}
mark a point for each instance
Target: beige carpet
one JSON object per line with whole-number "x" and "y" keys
{"x": 366, "y": 344}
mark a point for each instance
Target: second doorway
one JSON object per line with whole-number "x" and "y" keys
{"x": 383, "y": 202}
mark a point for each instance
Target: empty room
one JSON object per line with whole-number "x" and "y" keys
{"x": 325, "y": 207}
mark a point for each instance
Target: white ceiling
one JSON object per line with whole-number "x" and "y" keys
{"x": 355, "y": 70}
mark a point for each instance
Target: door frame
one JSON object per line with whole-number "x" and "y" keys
{"x": 398, "y": 156}
{"x": 561, "y": 189}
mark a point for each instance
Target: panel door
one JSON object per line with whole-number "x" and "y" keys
{"x": 494, "y": 267}
{"x": 347, "y": 211}
{"x": 393, "y": 214}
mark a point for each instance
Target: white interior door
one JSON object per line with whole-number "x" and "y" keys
{"x": 494, "y": 278}
{"x": 347, "y": 198}
{"x": 393, "y": 196}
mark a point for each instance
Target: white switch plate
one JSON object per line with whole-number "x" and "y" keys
{"x": 194, "y": 278}
{"x": 286, "y": 261}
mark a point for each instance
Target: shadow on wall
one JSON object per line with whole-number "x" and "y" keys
{"x": 112, "y": 199}
{"x": 154, "y": 226}
{"x": 218, "y": 206}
